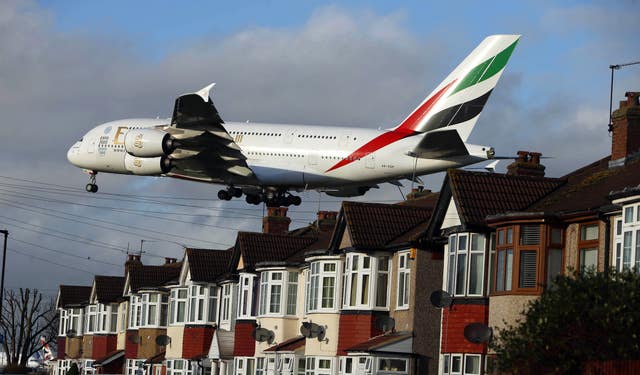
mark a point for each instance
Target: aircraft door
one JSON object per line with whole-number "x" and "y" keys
{"x": 288, "y": 136}
{"x": 312, "y": 158}
{"x": 370, "y": 161}
{"x": 345, "y": 139}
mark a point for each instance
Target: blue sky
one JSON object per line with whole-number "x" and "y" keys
{"x": 67, "y": 66}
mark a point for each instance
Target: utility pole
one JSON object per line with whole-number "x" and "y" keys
{"x": 4, "y": 262}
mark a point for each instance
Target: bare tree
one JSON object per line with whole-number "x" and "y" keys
{"x": 25, "y": 319}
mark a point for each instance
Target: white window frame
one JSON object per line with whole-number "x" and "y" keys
{"x": 148, "y": 310}
{"x": 226, "y": 304}
{"x": 403, "y": 288}
{"x": 179, "y": 367}
{"x": 447, "y": 363}
{"x": 244, "y": 365}
{"x": 379, "y": 362}
{"x": 212, "y": 304}
{"x": 91, "y": 317}
{"x": 179, "y": 300}
{"x": 87, "y": 367}
{"x": 261, "y": 366}
{"x": 460, "y": 251}
{"x": 245, "y": 296}
{"x": 626, "y": 254}
{"x": 312, "y": 364}
{"x": 359, "y": 267}
{"x": 132, "y": 366}
{"x": 197, "y": 304}
{"x": 319, "y": 272}
{"x": 62, "y": 322}
{"x": 274, "y": 280}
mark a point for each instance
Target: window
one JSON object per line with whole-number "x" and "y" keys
{"x": 527, "y": 269}
{"x": 91, "y": 318}
{"x": 465, "y": 264}
{"x": 319, "y": 366}
{"x": 403, "y": 280}
{"x": 148, "y": 310}
{"x": 272, "y": 286}
{"x": 123, "y": 316}
{"x": 588, "y": 247}
{"x": 244, "y": 366}
{"x": 260, "y": 366}
{"x": 321, "y": 286}
{"x": 245, "y": 308}
{"x": 628, "y": 214}
{"x": 227, "y": 305}
{"x": 135, "y": 367}
{"x": 212, "y": 307}
{"x": 392, "y": 366}
{"x": 554, "y": 264}
{"x": 365, "y": 276}
{"x": 292, "y": 293}
{"x": 627, "y": 240}
{"x": 87, "y": 367}
{"x": 179, "y": 367}
{"x": 178, "y": 305}
{"x": 62, "y": 326}
{"x": 459, "y": 364}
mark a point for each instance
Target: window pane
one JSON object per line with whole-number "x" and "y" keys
{"x": 509, "y": 270}
{"x": 329, "y": 267}
{"x": 476, "y": 272}
{"x": 392, "y": 364}
{"x": 626, "y": 251}
{"x": 554, "y": 264}
{"x": 638, "y": 249}
{"x": 501, "y": 237}
{"x": 461, "y": 275}
{"x": 456, "y": 364}
{"x": 462, "y": 242}
{"x": 556, "y": 235}
{"x": 365, "y": 290}
{"x": 328, "y": 284}
{"x": 477, "y": 242}
{"x": 509, "y": 235}
{"x": 529, "y": 234}
{"x": 274, "y": 305}
{"x": 589, "y": 232}
{"x": 500, "y": 271}
{"x": 383, "y": 263}
{"x": 472, "y": 364}
{"x": 628, "y": 214}
{"x": 450, "y": 272}
{"x": 452, "y": 244}
{"x": 381, "y": 290}
{"x": 588, "y": 258}
{"x": 527, "y": 269}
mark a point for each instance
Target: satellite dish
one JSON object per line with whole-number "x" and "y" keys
{"x": 263, "y": 334}
{"x": 312, "y": 330}
{"x": 71, "y": 333}
{"x": 478, "y": 333}
{"x": 134, "y": 339}
{"x": 163, "y": 340}
{"x": 441, "y": 299}
{"x": 385, "y": 323}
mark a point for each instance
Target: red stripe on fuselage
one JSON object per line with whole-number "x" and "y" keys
{"x": 406, "y": 129}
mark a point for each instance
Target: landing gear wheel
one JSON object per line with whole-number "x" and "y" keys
{"x": 224, "y": 195}
{"x": 237, "y": 193}
{"x": 253, "y": 199}
{"x": 91, "y": 188}
{"x": 295, "y": 200}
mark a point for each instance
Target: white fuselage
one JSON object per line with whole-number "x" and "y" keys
{"x": 288, "y": 156}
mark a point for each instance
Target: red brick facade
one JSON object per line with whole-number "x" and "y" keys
{"x": 130, "y": 348}
{"x": 103, "y": 344}
{"x": 356, "y": 327}
{"x": 196, "y": 341}
{"x": 61, "y": 345}
{"x": 244, "y": 344}
{"x": 626, "y": 128}
{"x": 453, "y": 322}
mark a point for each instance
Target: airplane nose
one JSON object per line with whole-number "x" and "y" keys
{"x": 72, "y": 153}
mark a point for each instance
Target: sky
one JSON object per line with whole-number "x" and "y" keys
{"x": 67, "y": 66}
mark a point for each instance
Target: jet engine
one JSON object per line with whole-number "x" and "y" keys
{"x": 147, "y": 166}
{"x": 148, "y": 143}
{"x": 348, "y": 191}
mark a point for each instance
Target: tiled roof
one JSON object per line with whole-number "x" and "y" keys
{"x": 205, "y": 265}
{"x": 589, "y": 187}
{"x": 378, "y": 342}
{"x": 109, "y": 288}
{"x": 153, "y": 276}
{"x": 260, "y": 247}
{"x": 74, "y": 295}
{"x": 375, "y": 225}
{"x": 478, "y": 194}
{"x": 288, "y": 345}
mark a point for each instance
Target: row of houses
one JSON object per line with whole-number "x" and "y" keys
{"x": 411, "y": 288}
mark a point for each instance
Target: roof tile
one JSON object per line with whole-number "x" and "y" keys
{"x": 205, "y": 265}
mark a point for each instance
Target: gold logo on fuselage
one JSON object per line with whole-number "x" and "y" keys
{"x": 120, "y": 131}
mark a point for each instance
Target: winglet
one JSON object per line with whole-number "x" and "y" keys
{"x": 204, "y": 92}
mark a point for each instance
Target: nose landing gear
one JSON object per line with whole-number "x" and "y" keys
{"x": 91, "y": 187}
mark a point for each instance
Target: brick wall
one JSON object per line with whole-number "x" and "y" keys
{"x": 626, "y": 128}
{"x": 196, "y": 340}
{"x": 61, "y": 346}
{"x": 103, "y": 344}
{"x": 87, "y": 347}
{"x": 130, "y": 348}
{"x": 453, "y": 322}
{"x": 356, "y": 327}
{"x": 244, "y": 344}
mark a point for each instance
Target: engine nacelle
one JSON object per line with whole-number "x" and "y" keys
{"x": 148, "y": 143}
{"x": 147, "y": 166}
{"x": 348, "y": 191}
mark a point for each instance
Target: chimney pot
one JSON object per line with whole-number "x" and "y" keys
{"x": 625, "y": 136}
{"x": 276, "y": 221}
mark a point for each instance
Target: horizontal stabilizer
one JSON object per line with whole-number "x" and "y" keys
{"x": 440, "y": 145}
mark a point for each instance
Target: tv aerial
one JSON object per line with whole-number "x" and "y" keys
{"x": 441, "y": 299}
{"x": 312, "y": 330}
{"x": 385, "y": 323}
{"x": 263, "y": 335}
{"x": 478, "y": 333}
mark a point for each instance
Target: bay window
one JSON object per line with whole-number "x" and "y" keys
{"x": 365, "y": 281}
{"x": 74, "y": 321}
{"x": 148, "y": 310}
{"x": 465, "y": 264}
{"x": 179, "y": 367}
{"x": 62, "y": 322}
{"x": 588, "y": 247}
{"x": 319, "y": 366}
{"x": 321, "y": 286}
{"x": 459, "y": 364}
{"x": 627, "y": 240}
{"x": 278, "y": 292}
{"x": 404, "y": 278}
{"x": 178, "y": 305}
{"x": 133, "y": 365}
{"x": 92, "y": 311}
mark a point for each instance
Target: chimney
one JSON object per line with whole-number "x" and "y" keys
{"x": 527, "y": 164}
{"x": 327, "y": 220}
{"x": 418, "y": 192}
{"x": 132, "y": 261}
{"x": 276, "y": 221}
{"x": 625, "y": 139}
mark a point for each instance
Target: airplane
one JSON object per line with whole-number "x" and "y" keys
{"x": 266, "y": 162}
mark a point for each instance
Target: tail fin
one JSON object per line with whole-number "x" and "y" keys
{"x": 460, "y": 98}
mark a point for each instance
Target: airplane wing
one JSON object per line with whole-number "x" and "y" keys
{"x": 206, "y": 151}
{"x": 439, "y": 145}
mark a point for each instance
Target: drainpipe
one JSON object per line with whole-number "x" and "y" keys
{"x": 607, "y": 241}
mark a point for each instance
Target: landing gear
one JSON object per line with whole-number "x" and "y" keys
{"x": 274, "y": 200}
{"x": 229, "y": 193}
{"x": 91, "y": 187}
